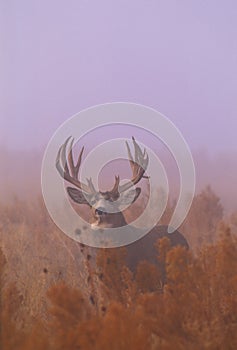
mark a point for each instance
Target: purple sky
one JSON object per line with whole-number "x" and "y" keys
{"x": 59, "y": 57}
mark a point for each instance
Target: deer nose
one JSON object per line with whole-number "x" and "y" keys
{"x": 100, "y": 211}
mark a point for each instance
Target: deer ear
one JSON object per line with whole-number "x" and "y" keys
{"x": 78, "y": 196}
{"x": 130, "y": 196}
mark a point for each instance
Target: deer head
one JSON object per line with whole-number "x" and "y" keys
{"x": 106, "y": 207}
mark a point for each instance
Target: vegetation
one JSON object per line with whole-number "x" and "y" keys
{"x": 55, "y": 296}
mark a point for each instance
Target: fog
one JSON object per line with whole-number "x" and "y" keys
{"x": 20, "y": 174}
{"x": 176, "y": 57}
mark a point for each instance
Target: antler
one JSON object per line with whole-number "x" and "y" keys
{"x": 138, "y": 165}
{"x": 68, "y": 170}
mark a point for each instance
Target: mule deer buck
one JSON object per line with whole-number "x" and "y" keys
{"x": 106, "y": 206}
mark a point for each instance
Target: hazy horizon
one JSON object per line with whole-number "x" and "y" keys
{"x": 20, "y": 175}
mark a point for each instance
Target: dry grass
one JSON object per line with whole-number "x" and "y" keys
{"x": 39, "y": 260}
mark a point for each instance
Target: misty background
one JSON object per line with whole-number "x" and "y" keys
{"x": 57, "y": 58}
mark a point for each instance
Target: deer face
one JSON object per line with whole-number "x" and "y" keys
{"x": 106, "y": 207}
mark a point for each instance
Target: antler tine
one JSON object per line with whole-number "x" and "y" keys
{"x": 90, "y": 184}
{"x": 130, "y": 158}
{"x": 63, "y": 155}
{"x": 139, "y": 155}
{"x": 136, "y": 150}
{"x": 57, "y": 163}
{"x": 68, "y": 170}
{"x": 79, "y": 160}
{"x": 138, "y": 165}
{"x": 62, "y": 158}
{"x": 70, "y": 160}
{"x": 115, "y": 190}
{"x": 74, "y": 169}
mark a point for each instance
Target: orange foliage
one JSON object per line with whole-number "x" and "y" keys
{"x": 59, "y": 297}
